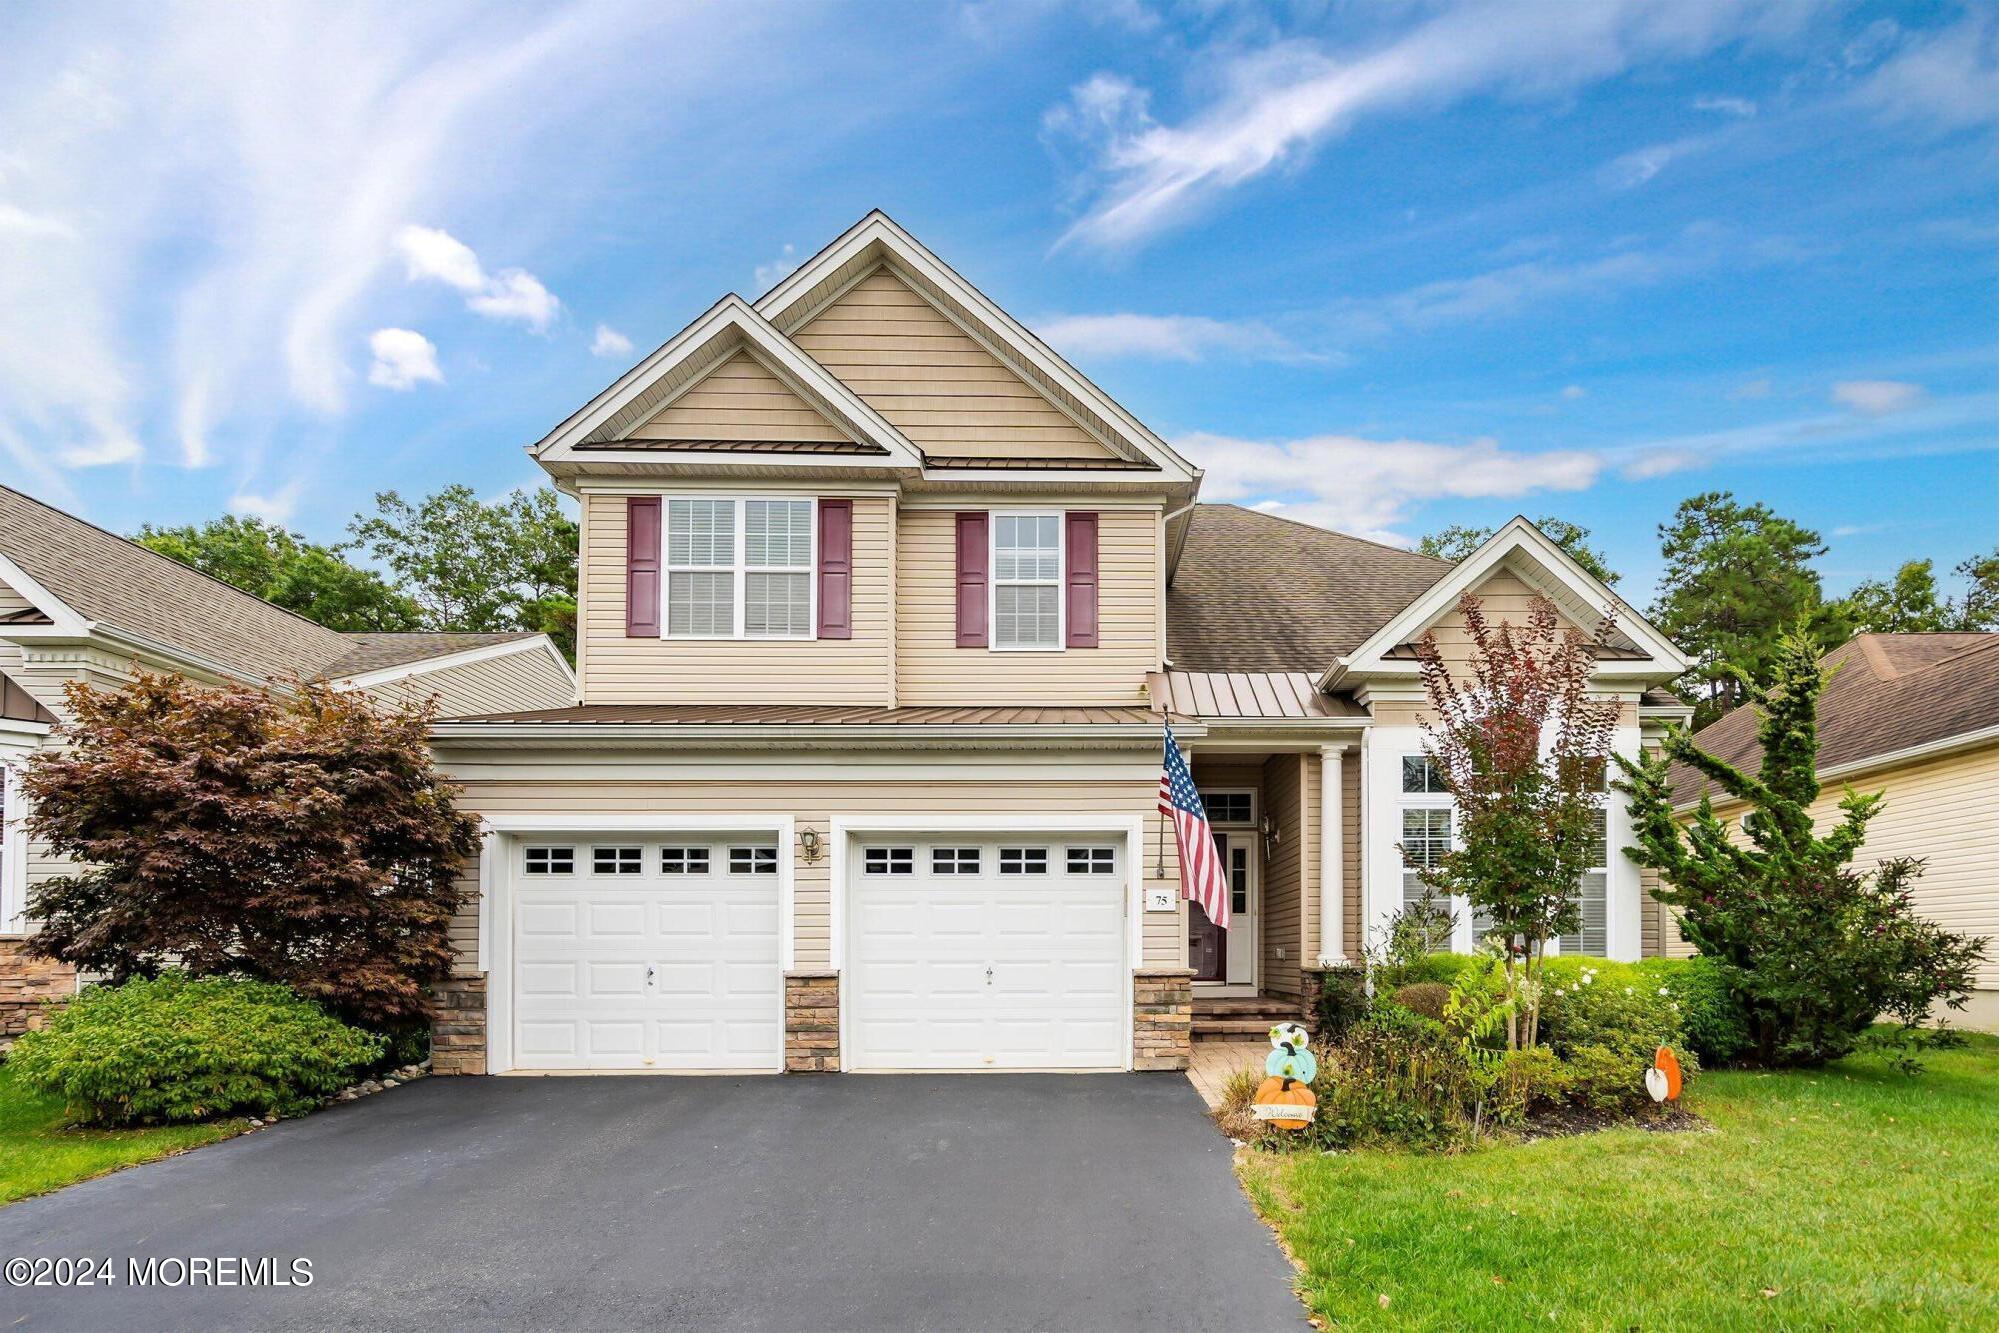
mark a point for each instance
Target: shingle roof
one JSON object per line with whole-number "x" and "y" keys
{"x": 1888, "y": 692}
{"x": 107, "y": 578}
{"x": 1255, "y": 592}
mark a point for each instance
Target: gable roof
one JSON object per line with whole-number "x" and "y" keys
{"x": 1256, "y": 592}
{"x": 376, "y": 652}
{"x": 83, "y": 578}
{"x": 1889, "y": 693}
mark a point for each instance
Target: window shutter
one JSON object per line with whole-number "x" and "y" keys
{"x": 1080, "y": 537}
{"x": 642, "y": 567}
{"x": 836, "y": 569}
{"x": 973, "y": 558}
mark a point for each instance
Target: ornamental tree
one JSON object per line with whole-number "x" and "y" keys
{"x": 1815, "y": 949}
{"x": 300, "y": 837}
{"x": 1522, "y": 747}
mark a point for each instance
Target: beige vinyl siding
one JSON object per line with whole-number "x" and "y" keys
{"x": 738, "y": 400}
{"x": 514, "y": 682}
{"x": 932, "y": 669}
{"x": 12, "y": 601}
{"x": 1290, "y": 870}
{"x": 933, "y": 381}
{"x": 620, "y": 670}
{"x": 1503, "y": 597}
{"x": 813, "y": 805}
{"x": 1944, "y": 812}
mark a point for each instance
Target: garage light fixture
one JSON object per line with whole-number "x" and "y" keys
{"x": 808, "y": 843}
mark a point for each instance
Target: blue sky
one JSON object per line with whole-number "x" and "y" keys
{"x": 1380, "y": 266}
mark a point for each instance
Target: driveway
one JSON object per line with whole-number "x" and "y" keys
{"x": 933, "y": 1202}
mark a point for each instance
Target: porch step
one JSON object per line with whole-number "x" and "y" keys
{"x": 1233, "y": 1029}
{"x": 1240, "y": 1017}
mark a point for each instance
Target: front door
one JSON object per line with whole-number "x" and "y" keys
{"x": 1228, "y": 956}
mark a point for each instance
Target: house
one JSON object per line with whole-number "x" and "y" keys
{"x": 78, "y": 603}
{"x": 1915, "y": 717}
{"x": 882, "y": 608}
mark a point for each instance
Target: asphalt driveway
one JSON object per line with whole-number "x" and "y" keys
{"x": 913, "y": 1202}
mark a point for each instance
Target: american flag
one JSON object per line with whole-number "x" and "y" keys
{"x": 1201, "y": 878}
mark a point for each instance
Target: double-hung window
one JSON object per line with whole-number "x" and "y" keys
{"x": 1427, "y": 815}
{"x": 1592, "y": 937}
{"x": 1027, "y": 581}
{"x": 738, "y": 568}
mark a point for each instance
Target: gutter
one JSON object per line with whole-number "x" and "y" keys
{"x": 793, "y": 734}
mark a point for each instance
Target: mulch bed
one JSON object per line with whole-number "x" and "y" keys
{"x": 1567, "y": 1121}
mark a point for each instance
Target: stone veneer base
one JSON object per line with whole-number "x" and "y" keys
{"x": 812, "y": 1022}
{"x": 1162, "y": 1018}
{"x": 26, "y": 983}
{"x": 458, "y": 1033}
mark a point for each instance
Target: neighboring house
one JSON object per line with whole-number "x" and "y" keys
{"x": 882, "y": 607}
{"x": 78, "y": 603}
{"x": 1916, "y": 717}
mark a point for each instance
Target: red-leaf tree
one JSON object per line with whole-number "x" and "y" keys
{"x": 300, "y": 837}
{"x": 1523, "y": 748}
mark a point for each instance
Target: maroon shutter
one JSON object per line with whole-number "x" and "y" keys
{"x": 836, "y": 569}
{"x": 642, "y": 567}
{"x": 1080, "y": 537}
{"x": 972, "y": 579}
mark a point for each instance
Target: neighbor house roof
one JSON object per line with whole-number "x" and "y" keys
{"x": 111, "y": 581}
{"x": 1888, "y": 693}
{"x": 1255, "y": 592}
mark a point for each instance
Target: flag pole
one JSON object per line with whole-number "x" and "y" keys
{"x": 1161, "y": 872}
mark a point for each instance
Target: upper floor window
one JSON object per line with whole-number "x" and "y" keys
{"x": 738, "y": 568}
{"x": 1027, "y": 581}
{"x": 1422, "y": 774}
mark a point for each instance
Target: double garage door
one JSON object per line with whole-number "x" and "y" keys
{"x": 973, "y": 952}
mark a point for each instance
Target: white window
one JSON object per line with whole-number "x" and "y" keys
{"x": 889, "y": 861}
{"x": 753, "y": 860}
{"x": 551, "y": 860}
{"x": 1027, "y": 581}
{"x": 739, "y": 568}
{"x": 1428, "y": 814}
{"x": 683, "y": 860}
{"x": 1229, "y": 807}
{"x": 1422, "y": 774}
{"x": 1093, "y": 860}
{"x": 954, "y": 860}
{"x": 617, "y": 860}
{"x": 1593, "y": 892}
{"x": 1023, "y": 860}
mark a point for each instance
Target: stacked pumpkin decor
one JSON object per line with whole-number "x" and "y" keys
{"x": 1284, "y": 1099}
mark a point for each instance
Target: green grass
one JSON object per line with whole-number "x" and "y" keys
{"x": 1848, "y": 1197}
{"x": 38, "y": 1155}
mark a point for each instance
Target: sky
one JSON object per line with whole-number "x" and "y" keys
{"x": 1382, "y": 267}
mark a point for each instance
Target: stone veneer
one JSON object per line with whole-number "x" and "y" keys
{"x": 1162, "y": 1018}
{"x": 458, "y": 1033}
{"x": 25, "y": 982}
{"x": 812, "y": 1022}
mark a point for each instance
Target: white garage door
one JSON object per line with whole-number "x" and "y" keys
{"x": 642, "y": 954}
{"x": 984, "y": 953}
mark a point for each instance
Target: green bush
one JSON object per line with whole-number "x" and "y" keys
{"x": 1342, "y": 1002}
{"x": 179, "y": 1048}
{"x": 1605, "y": 1021}
{"x": 1602, "y": 1079}
{"x": 1423, "y": 997}
{"x": 1441, "y": 968}
{"x": 1392, "y": 1083}
{"x": 1717, "y": 1027}
{"x": 1529, "y": 1080}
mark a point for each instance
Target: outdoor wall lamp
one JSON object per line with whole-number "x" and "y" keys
{"x": 1272, "y": 835}
{"x": 808, "y": 842}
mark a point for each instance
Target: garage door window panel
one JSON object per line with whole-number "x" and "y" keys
{"x": 889, "y": 861}
{"x": 1093, "y": 860}
{"x": 1023, "y": 861}
{"x": 753, "y": 860}
{"x": 683, "y": 860}
{"x": 954, "y": 860}
{"x": 550, "y": 860}
{"x": 617, "y": 860}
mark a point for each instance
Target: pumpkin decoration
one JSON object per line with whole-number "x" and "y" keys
{"x": 1668, "y": 1066}
{"x": 1289, "y": 1034}
{"x": 1289, "y": 1061}
{"x": 1285, "y": 1103}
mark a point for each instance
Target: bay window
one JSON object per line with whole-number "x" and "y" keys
{"x": 739, "y": 568}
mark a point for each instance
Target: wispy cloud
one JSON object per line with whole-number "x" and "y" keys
{"x": 608, "y": 342}
{"x": 769, "y": 275}
{"x": 276, "y": 507}
{"x": 1167, "y": 338}
{"x": 1726, "y": 106}
{"x": 1640, "y": 165}
{"x": 1368, "y": 487}
{"x": 430, "y": 253}
{"x": 1279, "y": 103}
{"x": 1945, "y": 80}
{"x": 1877, "y": 398}
{"x": 403, "y": 359}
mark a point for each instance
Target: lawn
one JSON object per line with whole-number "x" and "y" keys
{"x": 1852, "y": 1196}
{"x": 38, "y": 1155}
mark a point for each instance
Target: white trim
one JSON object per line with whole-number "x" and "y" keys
{"x": 496, "y": 928}
{"x": 877, "y": 229}
{"x": 464, "y": 657}
{"x": 14, "y": 856}
{"x": 667, "y": 735}
{"x": 68, "y": 621}
{"x": 1332, "y": 851}
{"x": 1664, "y": 659}
{"x": 1060, "y": 584}
{"x": 1130, "y": 827}
{"x": 1936, "y": 749}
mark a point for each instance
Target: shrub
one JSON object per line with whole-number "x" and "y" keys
{"x": 1441, "y": 968}
{"x": 1424, "y": 997}
{"x": 1717, "y": 1029}
{"x": 1605, "y": 1021}
{"x": 1233, "y": 1114}
{"x": 1342, "y": 1002}
{"x": 1602, "y": 1079}
{"x": 184, "y": 1048}
{"x": 1389, "y": 1083}
{"x": 1530, "y": 1080}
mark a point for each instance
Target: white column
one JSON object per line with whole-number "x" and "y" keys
{"x": 1332, "y": 859}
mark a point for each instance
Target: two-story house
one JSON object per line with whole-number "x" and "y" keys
{"x": 883, "y": 607}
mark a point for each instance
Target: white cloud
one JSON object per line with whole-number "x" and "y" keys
{"x": 1368, "y": 487}
{"x": 1947, "y": 79}
{"x": 1165, "y": 338}
{"x": 277, "y": 507}
{"x": 769, "y": 275}
{"x": 608, "y": 342}
{"x": 1727, "y": 106}
{"x": 19, "y": 221}
{"x": 1877, "y": 398}
{"x": 1280, "y": 103}
{"x": 110, "y": 445}
{"x": 1642, "y": 164}
{"x": 403, "y": 359}
{"x": 432, "y": 254}
{"x": 1574, "y": 391}
{"x": 1750, "y": 389}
